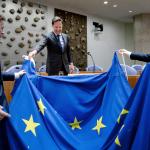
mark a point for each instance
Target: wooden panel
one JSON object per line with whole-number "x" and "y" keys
{"x": 133, "y": 80}
{"x": 8, "y": 86}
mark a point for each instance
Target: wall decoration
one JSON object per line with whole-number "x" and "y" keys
{"x": 36, "y": 19}
{"x": 8, "y": 32}
{"x": 12, "y": 39}
{"x": 30, "y": 4}
{"x": 18, "y": 30}
{"x": 34, "y": 25}
{"x": 15, "y": 1}
{"x": 26, "y": 19}
{"x": 10, "y": 20}
{"x": 18, "y": 17}
{"x": 23, "y": 27}
{"x": 22, "y": 4}
{"x": 29, "y": 12}
{"x": 9, "y": 44}
{"x": 20, "y": 10}
{"x": 3, "y": 5}
{"x": 12, "y": 11}
{"x": 4, "y": 54}
{"x": 23, "y": 30}
{"x": 7, "y": 62}
{"x": 38, "y": 11}
{"x": 17, "y": 52}
{"x": 21, "y": 45}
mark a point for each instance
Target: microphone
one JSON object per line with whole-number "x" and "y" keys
{"x": 88, "y": 53}
{"x": 94, "y": 68}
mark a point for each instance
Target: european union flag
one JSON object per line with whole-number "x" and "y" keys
{"x": 135, "y": 131}
{"x": 67, "y": 112}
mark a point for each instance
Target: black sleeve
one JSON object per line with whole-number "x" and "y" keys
{"x": 42, "y": 44}
{"x": 140, "y": 57}
{"x": 69, "y": 51}
{"x": 8, "y": 77}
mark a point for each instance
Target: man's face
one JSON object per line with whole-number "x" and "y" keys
{"x": 57, "y": 27}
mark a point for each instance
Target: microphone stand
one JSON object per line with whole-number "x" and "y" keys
{"x": 94, "y": 68}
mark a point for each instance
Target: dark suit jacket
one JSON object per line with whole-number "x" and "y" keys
{"x": 140, "y": 57}
{"x": 5, "y": 77}
{"x": 56, "y": 57}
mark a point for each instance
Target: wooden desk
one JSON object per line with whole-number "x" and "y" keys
{"x": 133, "y": 80}
{"x": 8, "y": 85}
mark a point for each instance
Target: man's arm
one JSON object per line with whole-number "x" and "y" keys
{"x": 11, "y": 77}
{"x": 3, "y": 114}
{"x": 140, "y": 57}
{"x": 39, "y": 47}
{"x": 8, "y": 77}
{"x": 71, "y": 66}
{"x": 135, "y": 55}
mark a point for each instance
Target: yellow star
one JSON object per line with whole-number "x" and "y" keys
{"x": 75, "y": 124}
{"x": 99, "y": 125}
{"x": 123, "y": 112}
{"x": 41, "y": 106}
{"x": 30, "y": 125}
{"x": 117, "y": 141}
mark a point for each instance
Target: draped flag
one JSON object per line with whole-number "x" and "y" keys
{"x": 135, "y": 131}
{"x": 67, "y": 112}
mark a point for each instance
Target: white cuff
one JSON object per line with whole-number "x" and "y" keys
{"x": 128, "y": 53}
{"x": 17, "y": 75}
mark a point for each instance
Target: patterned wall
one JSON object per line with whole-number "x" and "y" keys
{"x": 24, "y": 24}
{"x": 75, "y": 26}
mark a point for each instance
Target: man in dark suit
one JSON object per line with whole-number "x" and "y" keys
{"x": 135, "y": 55}
{"x": 58, "y": 50}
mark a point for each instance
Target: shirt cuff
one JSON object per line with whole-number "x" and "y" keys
{"x": 17, "y": 75}
{"x": 128, "y": 53}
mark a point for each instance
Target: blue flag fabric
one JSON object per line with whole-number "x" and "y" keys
{"x": 67, "y": 112}
{"x": 135, "y": 132}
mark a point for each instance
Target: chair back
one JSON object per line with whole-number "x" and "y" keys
{"x": 137, "y": 67}
{"x": 94, "y": 68}
{"x": 130, "y": 70}
{"x": 14, "y": 69}
{"x": 42, "y": 68}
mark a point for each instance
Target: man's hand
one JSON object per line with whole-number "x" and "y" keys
{"x": 3, "y": 114}
{"x": 32, "y": 54}
{"x": 19, "y": 74}
{"x": 124, "y": 51}
{"x": 71, "y": 67}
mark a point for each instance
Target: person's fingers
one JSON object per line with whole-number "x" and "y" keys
{"x": 121, "y": 51}
{"x": 24, "y": 72}
{"x": 30, "y": 56}
{"x": 4, "y": 114}
{"x": 1, "y": 117}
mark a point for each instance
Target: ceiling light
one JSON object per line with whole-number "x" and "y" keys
{"x": 105, "y": 2}
{"x": 130, "y": 11}
{"x": 115, "y": 5}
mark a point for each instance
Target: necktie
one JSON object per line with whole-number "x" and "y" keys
{"x": 59, "y": 42}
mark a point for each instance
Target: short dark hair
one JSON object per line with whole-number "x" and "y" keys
{"x": 55, "y": 19}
